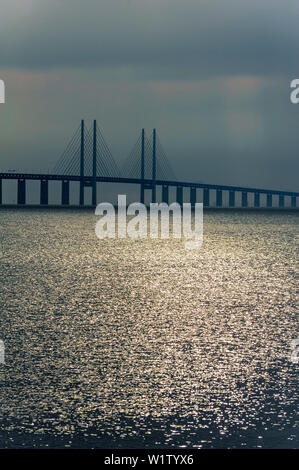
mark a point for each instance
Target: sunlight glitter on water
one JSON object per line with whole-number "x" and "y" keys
{"x": 140, "y": 343}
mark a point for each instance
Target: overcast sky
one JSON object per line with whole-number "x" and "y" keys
{"x": 212, "y": 76}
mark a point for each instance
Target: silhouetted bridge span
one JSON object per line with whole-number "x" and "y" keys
{"x": 88, "y": 160}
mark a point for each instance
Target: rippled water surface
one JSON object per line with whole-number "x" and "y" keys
{"x": 123, "y": 343}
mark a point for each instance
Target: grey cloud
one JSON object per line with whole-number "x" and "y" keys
{"x": 166, "y": 38}
{"x": 128, "y": 64}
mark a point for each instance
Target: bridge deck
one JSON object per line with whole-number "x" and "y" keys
{"x": 147, "y": 182}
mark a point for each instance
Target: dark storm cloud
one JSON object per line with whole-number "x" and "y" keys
{"x": 174, "y": 38}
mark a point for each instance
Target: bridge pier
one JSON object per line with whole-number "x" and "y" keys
{"x": 179, "y": 195}
{"x": 244, "y": 199}
{"x": 142, "y": 190}
{"x": 44, "y": 192}
{"x": 232, "y": 199}
{"x": 293, "y": 201}
{"x": 81, "y": 201}
{"x": 65, "y": 193}
{"x": 193, "y": 196}
{"x": 94, "y": 193}
{"x": 257, "y": 199}
{"x": 206, "y": 197}
{"x": 22, "y": 191}
{"x": 269, "y": 200}
{"x": 219, "y": 198}
{"x": 165, "y": 193}
{"x": 281, "y": 200}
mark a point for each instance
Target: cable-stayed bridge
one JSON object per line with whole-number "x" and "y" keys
{"x": 88, "y": 160}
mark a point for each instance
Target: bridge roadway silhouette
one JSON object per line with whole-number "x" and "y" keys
{"x": 149, "y": 163}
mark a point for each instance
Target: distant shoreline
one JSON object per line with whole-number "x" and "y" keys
{"x": 90, "y": 207}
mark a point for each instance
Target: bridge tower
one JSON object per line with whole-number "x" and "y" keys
{"x": 81, "y": 201}
{"x": 142, "y": 172}
{"x": 86, "y": 180}
{"x": 94, "y": 165}
{"x": 154, "y": 195}
{"x": 151, "y": 185}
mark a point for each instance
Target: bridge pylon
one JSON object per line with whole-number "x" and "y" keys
{"x": 148, "y": 163}
{"x": 142, "y": 168}
{"x": 94, "y": 164}
{"x": 82, "y": 152}
{"x": 87, "y": 180}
